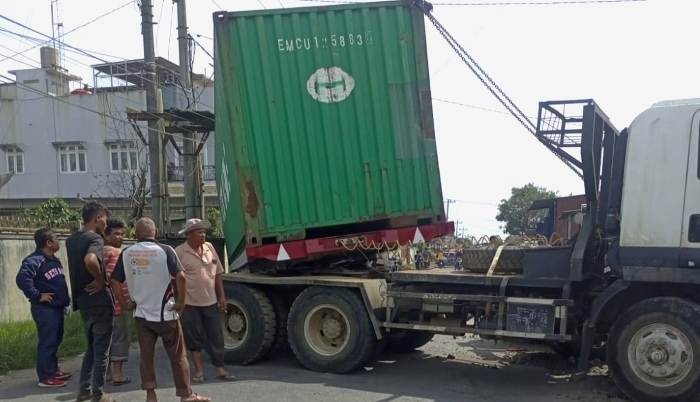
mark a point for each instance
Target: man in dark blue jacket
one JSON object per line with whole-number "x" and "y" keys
{"x": 42, "y": 281}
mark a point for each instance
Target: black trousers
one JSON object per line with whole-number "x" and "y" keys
{"x": 202, "y": 329}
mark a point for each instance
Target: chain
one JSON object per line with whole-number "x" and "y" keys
{"x": 474, "y": 66}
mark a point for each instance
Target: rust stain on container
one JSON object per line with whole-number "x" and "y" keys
{"x": 252, "y": 206}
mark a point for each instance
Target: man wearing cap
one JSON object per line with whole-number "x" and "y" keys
{"x": 205, "y": 300}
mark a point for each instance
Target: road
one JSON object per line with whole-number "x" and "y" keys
{"x": 445, "y": 370}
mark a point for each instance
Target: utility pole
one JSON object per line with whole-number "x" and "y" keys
{"x": 457, "y": 222}
{"x": 188, "y": 138}
{"x": 447, "y": 213}
{"x": 154, "y": 136}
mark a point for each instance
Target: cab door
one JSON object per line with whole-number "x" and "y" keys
{"x": 689, "y": 255}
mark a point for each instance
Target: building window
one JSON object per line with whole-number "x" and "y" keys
{"x": 72, "y": 159}
{"x": 123, "y": 157}
{"x": 15, "y": 160}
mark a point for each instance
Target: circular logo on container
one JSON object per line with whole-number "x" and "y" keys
{"x": 330, "y": 84}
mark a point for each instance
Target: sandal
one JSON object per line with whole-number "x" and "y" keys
{"x": 195, "y": 398}
{"x": 226, "y": 377}
{"x": 198, "y": 378}
{"x": 125, "y": 381}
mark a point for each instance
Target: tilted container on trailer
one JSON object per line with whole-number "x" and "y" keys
{"x": 324, "y": 124}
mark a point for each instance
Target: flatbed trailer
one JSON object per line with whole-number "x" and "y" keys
{"x": 604, "y": 292}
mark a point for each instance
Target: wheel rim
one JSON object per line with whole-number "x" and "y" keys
{"x": 326, "y": 330}
{"x": 235, "y": 323}
{"x": 660, "y": 355}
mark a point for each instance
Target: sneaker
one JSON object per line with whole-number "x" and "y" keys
{"x": 62, "y": 375}
{"x": 52, "y": 383}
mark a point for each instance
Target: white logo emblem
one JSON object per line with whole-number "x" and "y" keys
{"x": 328, "y": 85}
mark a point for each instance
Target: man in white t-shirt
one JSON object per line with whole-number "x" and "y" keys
{"x": 148, "y": 268}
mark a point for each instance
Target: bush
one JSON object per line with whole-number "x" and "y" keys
{"x": 54, "y": 213}
{"x": 213, "y": 215}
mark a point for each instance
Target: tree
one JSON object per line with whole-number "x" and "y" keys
{"x": 128, "y": 183}
{"x": 514, "y": 211}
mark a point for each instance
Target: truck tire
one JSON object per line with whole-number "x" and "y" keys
{"x": 279, "y": 304}
{"x": 329, "y": 330}
{"x": 406, "y": 340}
{"x": 478, "y": 259}
{"x": 651, "y": 350}
{"x": 249, "y": 325}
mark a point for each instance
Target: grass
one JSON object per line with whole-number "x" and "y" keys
{"x": 18, "y": 342}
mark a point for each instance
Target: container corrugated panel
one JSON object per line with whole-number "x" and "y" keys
{"x": 324, "y": 122}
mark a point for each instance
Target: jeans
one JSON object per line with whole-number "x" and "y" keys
{"x": 97, "y": 322}
{"x": 49, "y": 328}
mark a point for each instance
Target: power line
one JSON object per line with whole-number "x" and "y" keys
{"x": 86, "y": 53}
{"x": 217, "y": 4}
{"x": 64, "y": 35}
{"x": 470, "y": 106}
{"x": 261, "y": 4}
{"x": 58, "y": 99}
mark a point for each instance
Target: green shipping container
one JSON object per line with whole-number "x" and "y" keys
{"x": 324, "y": 122}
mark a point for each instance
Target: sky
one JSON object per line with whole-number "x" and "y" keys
{"x": 626, "y": 56}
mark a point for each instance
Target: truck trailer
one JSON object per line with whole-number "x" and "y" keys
{"x": 326, "y": 157}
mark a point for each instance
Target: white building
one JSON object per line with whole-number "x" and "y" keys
{"x": 80, "y": 144}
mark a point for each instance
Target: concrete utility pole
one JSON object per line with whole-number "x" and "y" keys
{"x": 447, "y": 213}
{"x": 188, "y": 138}
{"x": 154, "y": 136}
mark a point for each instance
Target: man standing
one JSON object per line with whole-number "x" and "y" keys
{"x": 93, "y": 298}
{"x": 201, "y": 320}
{"x": 121, "y": 338}
{"x": 42, "y": 281}
{"x": 148, "y": 268}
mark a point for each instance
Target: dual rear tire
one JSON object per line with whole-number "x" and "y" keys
{"x": 327, "y": 328}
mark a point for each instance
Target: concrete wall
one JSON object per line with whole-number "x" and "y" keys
{"x": 14, "y": 306}
{"x": 13, "y": 249}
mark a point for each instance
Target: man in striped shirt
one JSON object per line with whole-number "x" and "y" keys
{"x": 119, "y": 351}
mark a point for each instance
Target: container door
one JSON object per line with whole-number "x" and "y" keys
{"x": 690, "y": 237}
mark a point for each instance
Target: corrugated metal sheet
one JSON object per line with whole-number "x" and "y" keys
{"x": 324, "y": 118}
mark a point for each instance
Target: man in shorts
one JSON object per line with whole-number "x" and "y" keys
{"x": 121, "y": 338}
{"x": 201, "y": 320}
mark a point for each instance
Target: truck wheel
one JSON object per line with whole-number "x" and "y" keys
{"x": 651, "y": 350}
{"x": 405, "y": 340}
{"x": 281, "y": 343}
{"x": 249, "y": 324}
{"x": 329, "y": 330}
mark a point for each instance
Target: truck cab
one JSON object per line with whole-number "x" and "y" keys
{"x": 661, "y": 193}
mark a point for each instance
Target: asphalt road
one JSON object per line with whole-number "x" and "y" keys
{"x": 446, "y": 369}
